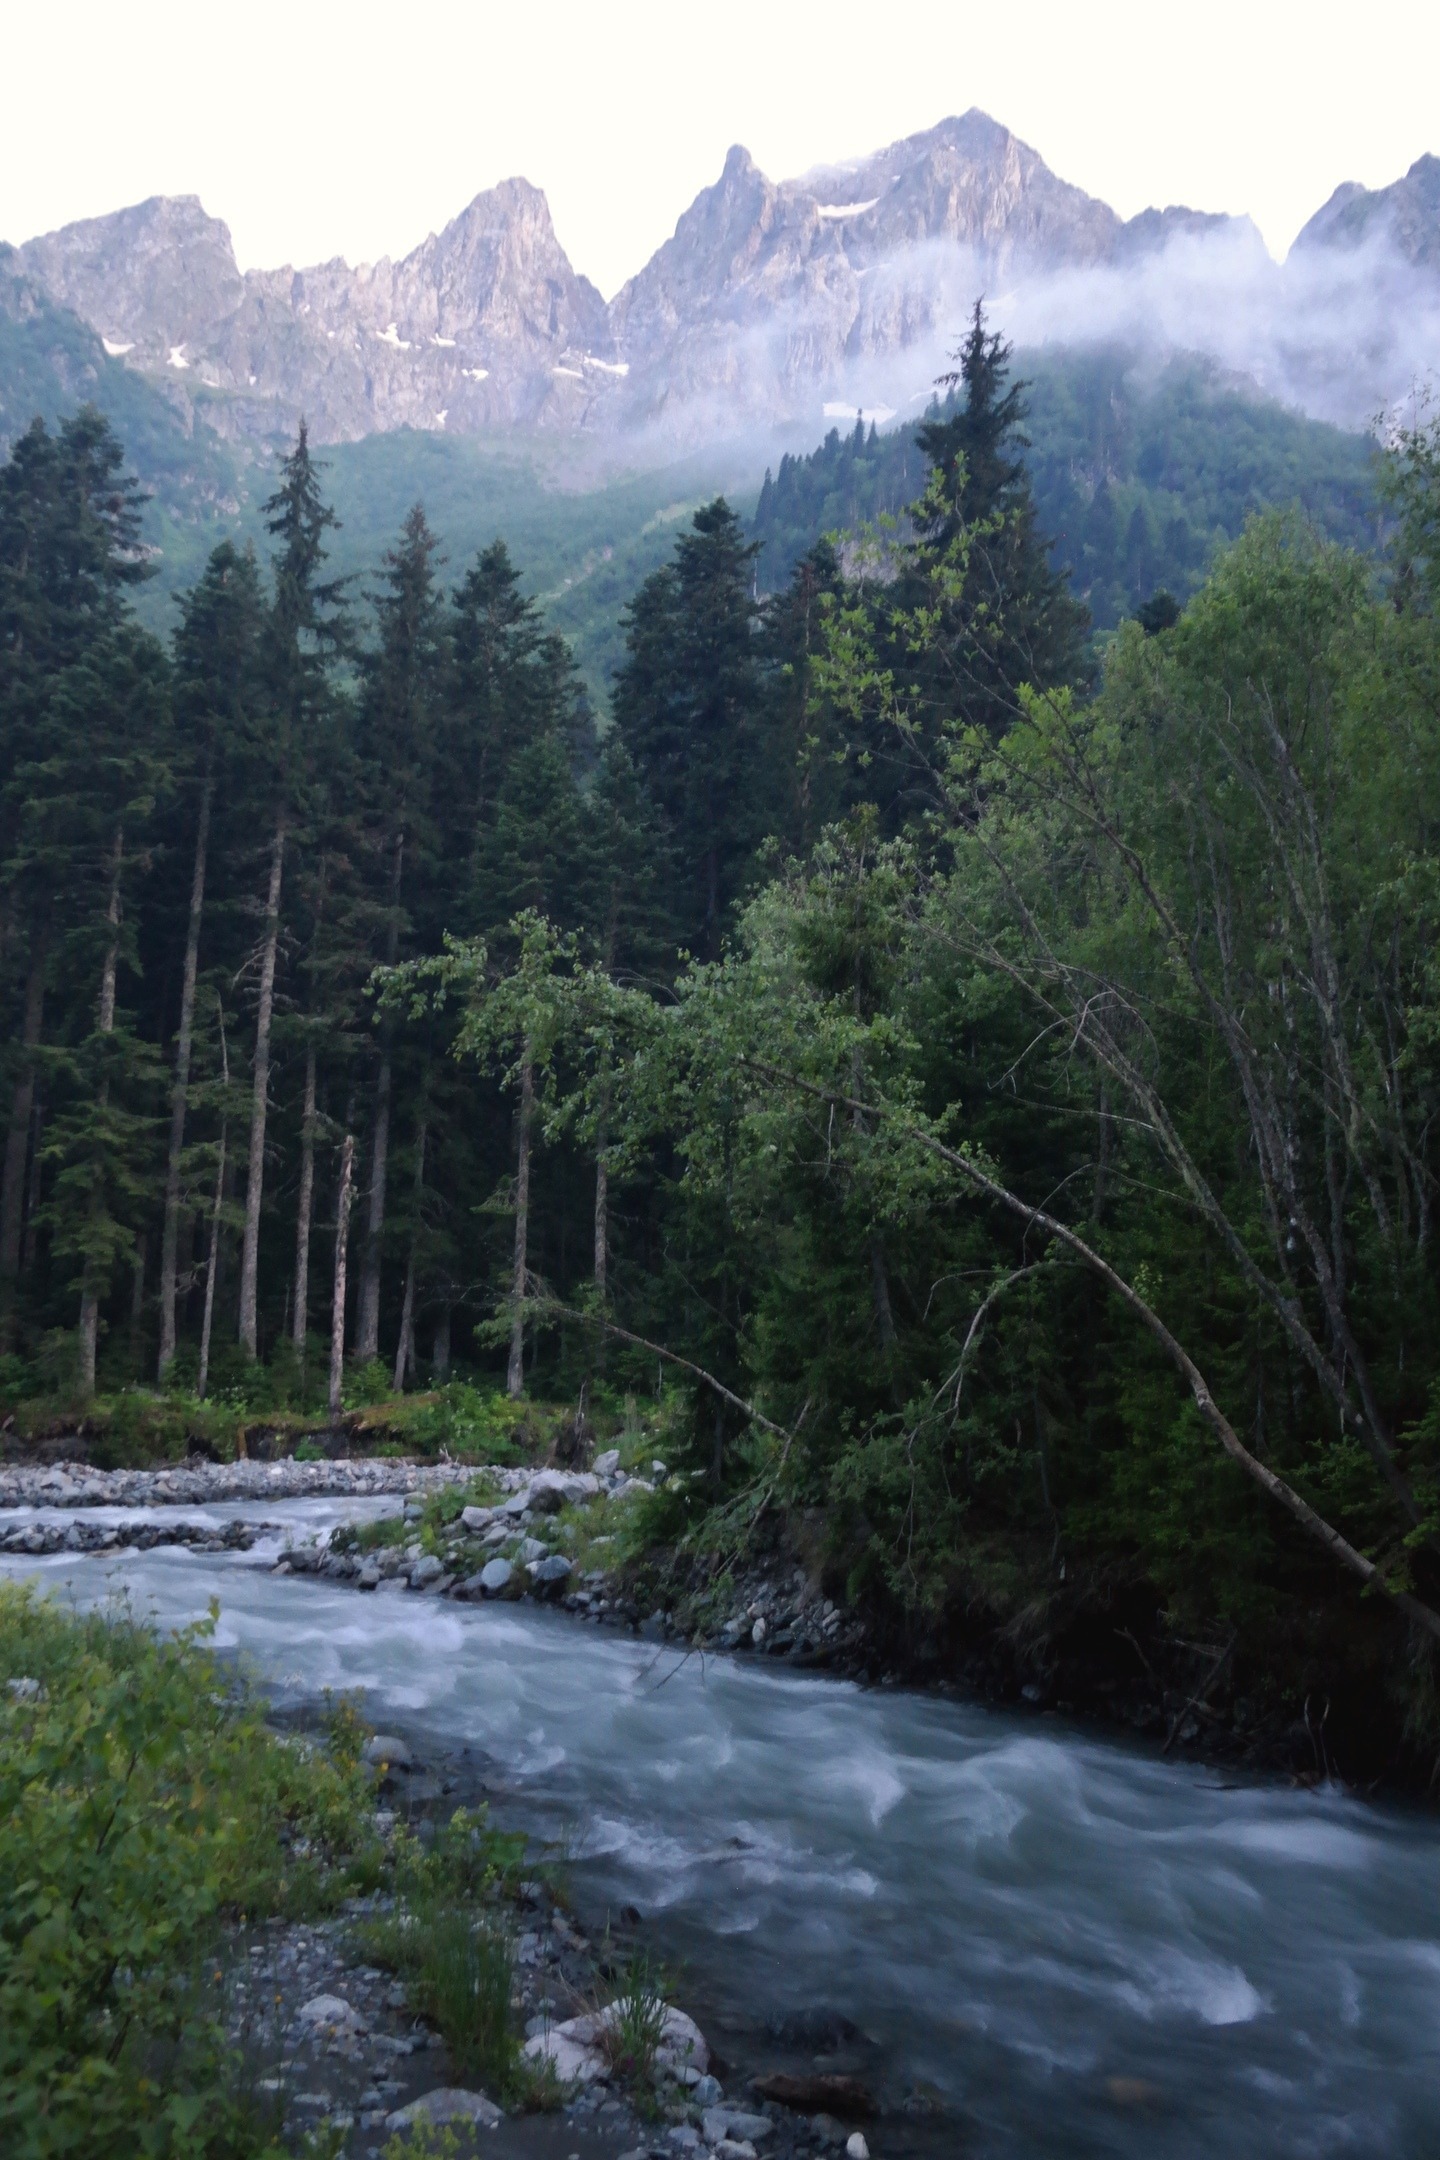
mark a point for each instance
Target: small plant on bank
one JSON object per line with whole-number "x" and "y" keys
{"x": 633, "y": 2028}
{"x": 427, "y": 2141}
{"x": 446, "y": 1938}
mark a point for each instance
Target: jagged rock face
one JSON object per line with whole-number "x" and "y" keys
{"x": 484, "y": 325}
{"x": 770, "y": 299}
{"x": 1404, "y": 217}
{"x": 769, "y": 292}
{"x": 149, "y": 279}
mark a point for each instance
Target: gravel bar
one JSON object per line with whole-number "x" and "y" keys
{"x": 79, "y": 1484}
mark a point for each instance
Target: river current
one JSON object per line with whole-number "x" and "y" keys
{"x": 1084, "y": 1950}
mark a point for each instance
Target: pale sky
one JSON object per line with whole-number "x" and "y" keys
{"x": 316, "y": 129}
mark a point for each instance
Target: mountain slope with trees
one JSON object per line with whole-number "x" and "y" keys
{"x": 1138, "y": 477}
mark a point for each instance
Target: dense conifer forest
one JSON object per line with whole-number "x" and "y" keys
{"x": 986, "y": 1073}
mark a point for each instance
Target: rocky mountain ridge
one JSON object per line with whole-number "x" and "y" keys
{"x": 774, "y": 303}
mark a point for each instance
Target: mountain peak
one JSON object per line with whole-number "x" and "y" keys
{"x": 1405, "y": 215}
{"x": 770, "y": 302}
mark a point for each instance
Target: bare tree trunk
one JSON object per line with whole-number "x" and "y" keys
{"x": 137, "y": 1297}
{"x": 255, "y": 1181}
{"x": 405, "y": 1353}
{"x": 515, "y": 1374}
{"x": 203, "y": 1377}
{"x": 342, "y": 1241}
{"x": 89, "y": 1291}
{"x": 180, "y": 1092}
{"x": 300, "y": 1320}
{"x": 880, "y": 1292}
{"x": 440, "y": 1348}
{"x": 368, "y": 1324}
{"x": 17, "y": 1140}
{"x": 367, "y": 1331}
{"x": 32, "y": 1204}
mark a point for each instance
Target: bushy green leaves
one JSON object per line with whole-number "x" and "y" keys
{"x": 141, "y": 1801}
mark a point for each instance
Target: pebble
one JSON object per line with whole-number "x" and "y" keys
{"x": 856, "y": 2147}
{"x": 734, "y": 2123}
{"x": 331, "y": 2014}
{"x": 389, "y": 1748}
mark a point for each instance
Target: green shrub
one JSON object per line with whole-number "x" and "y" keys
{"x": 465, "y": 1421}
{"x": 366, "y": 1385}
{"x": 142, "y": 1803}
{"x": 17, "y": 1380}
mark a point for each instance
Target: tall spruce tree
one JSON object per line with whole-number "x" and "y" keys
{"x": 406, "y": 680}
{"x": 69, "y": 550}
{"x": 1012, "y": 621}
{"x": 218, "y": 703}
{"x": 306, "y": 630}
{"x": 687, "y": 705}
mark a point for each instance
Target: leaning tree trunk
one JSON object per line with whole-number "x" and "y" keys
{"x": 405, "y": 1353}
{"x": 342, "y": 1240}
{"x": 89, "y": 1291}
{"x": 515, "y": 1375}
{"x": 255, "y": 1181}
{"x": 179, "y": 1095}
{"x": 368, "y": 1324}
{"x": 305, "y": 1209}
{"x": 17, "y": 1140}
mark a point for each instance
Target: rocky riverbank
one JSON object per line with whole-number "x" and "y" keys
{"x": 334, "y": 2039}
{"x": 537, "y": 1542}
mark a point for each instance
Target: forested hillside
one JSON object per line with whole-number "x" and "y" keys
{"x": 1001, "y": 1097}
{"x": 1139, "y": 475}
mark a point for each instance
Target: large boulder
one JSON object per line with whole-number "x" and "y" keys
{"x": 447, "y": 2104}
{"x": 553, "y": 1569}
{"x": 551, "y": 1490}
{"x": 577, "y": 2048}
{"x": 573, "y": 2061}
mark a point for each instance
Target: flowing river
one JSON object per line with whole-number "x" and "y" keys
{"x": 1084, "y": 1950}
